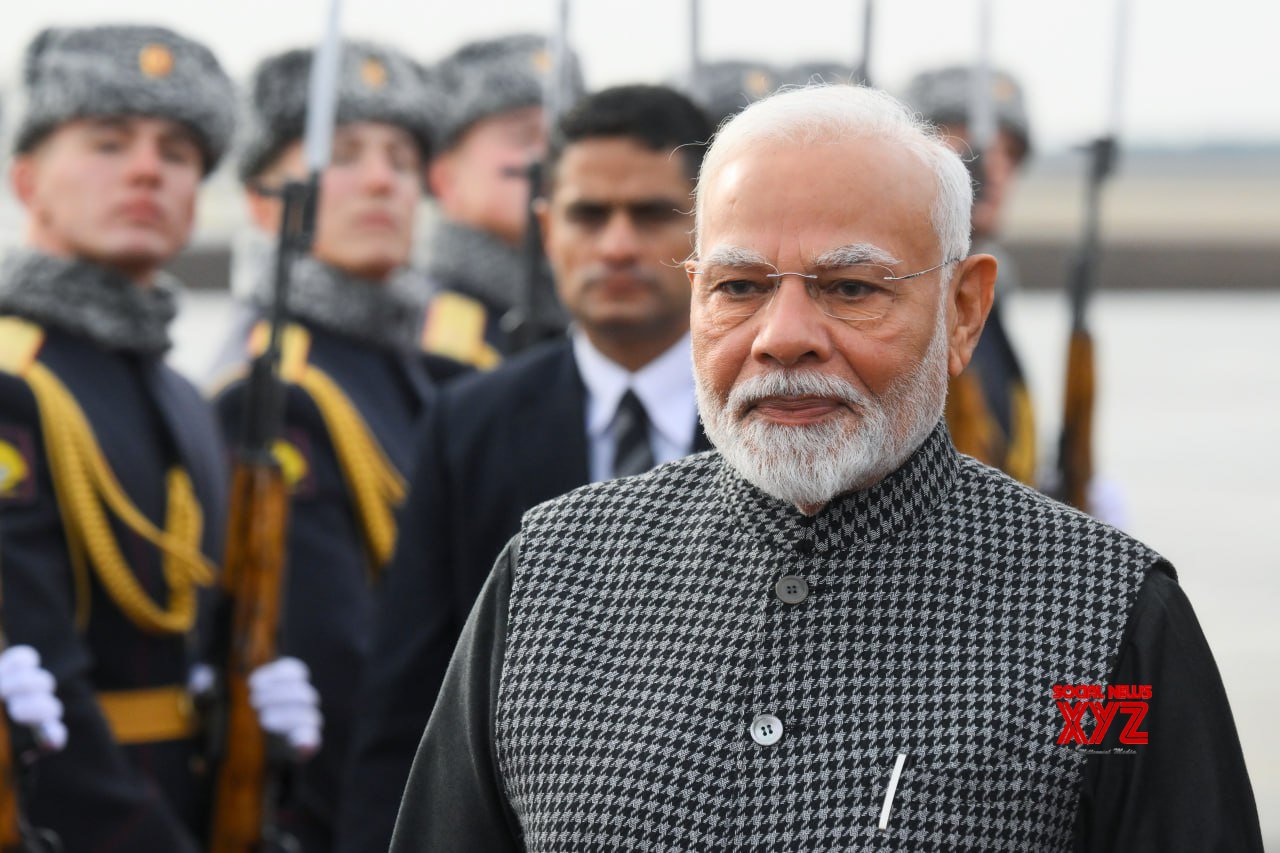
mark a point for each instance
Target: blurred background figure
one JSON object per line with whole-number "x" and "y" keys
{"x": 989, "y": 407}
{"x": 121, "y": 127}
{"x": 728, "y": 86}
{"x": 358, "y": 381}
{"x": 491, "y": 130}
{"x": 613, "y": 399}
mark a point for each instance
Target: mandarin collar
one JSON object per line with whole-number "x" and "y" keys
{"x": 896, "y": 503}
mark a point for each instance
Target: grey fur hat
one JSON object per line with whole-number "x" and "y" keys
{"x": 804, "y": 73}
{"x": 376, "y": 83}
{"x": 83, "y": 72}
{"x": 485, "y": 78}
{"x": 942, "y": 96}
{"x": 729, "y": 86}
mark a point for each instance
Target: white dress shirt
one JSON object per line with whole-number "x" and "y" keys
{"x": 665, "y": 388}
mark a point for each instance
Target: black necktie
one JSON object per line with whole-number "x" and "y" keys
{"x": 632, "y": 453}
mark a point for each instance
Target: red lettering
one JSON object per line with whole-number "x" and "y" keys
{"x": 1118, "y": 691}
{"x": 1071, "y": 731}
{"x": 1144, "y": 691}
{"x": 1137, "y": 711}
{"x": 1103, "y": 714}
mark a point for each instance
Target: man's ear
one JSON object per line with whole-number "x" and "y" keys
{"x": 440, "y": 176}
{"x": 971, "y": 292}
{"x": 22, "y": 177}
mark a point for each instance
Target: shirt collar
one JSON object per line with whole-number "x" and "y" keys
{"x": 664, "y": 386}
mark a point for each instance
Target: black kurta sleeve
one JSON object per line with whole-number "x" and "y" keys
{"x": 454, "y": 799}
{"x": 1187, "y": 788}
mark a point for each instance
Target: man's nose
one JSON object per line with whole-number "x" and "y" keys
{"x": 619, "y": 242}
{"x": 145, "y": 161}
{"x": 793, "y": 329}
{"x": 377, "y": 174}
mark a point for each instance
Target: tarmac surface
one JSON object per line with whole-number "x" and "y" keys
{"x": 1188, "y": 430}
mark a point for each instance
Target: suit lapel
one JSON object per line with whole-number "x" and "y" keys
{"x": 551, "y": 432}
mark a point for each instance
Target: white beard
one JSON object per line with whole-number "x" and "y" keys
{"x": 809, "y": 465}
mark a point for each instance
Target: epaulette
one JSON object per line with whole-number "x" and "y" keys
{"x": 20, "y": 343}
{"x": 89, "y": 496}
{"x": 375, "y": 486}
{"x": 455, "y": 328}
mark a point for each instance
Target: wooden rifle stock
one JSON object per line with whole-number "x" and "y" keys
{"x": 1076, "y": 449}
{"x": 10, "y": 820}
{"x": 16, "y": 836}
{"x": 1075, "y": 445}
{"x": 254, "y": 576}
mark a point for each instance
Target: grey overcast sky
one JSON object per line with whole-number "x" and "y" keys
{"x": 1194, "y": 72}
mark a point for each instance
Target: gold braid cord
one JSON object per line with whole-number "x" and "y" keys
{"x": 377, "y": 488}
{"x": 87, "y": 489}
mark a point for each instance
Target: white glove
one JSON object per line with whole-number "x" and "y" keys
{"x": 1108, "y": 502}
{"x": 28, "y": 691}
{"x": 287, "y": 704}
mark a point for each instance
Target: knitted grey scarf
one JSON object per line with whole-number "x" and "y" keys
{"x": 478, "y": 264}
{"x": 386, "y": 315}
{"x": 89, "y": 301}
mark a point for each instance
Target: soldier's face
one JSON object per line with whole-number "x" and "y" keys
{"x": 616, "y": 228}
{"x": 999, "y": 172}
{"x": 368, "y": 198}
{"x": 480, "y": 181}
{"x": 120, "y": 192}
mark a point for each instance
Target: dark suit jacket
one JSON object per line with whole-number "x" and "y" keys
{"x": 494, "y": 446}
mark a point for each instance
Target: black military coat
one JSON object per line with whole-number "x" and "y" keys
{"x": 97, "y": 794}
{"x": 328, "y": 604}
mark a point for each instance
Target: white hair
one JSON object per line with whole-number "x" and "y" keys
{"x": 831, "y": 113}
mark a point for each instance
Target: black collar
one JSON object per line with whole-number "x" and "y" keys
{"x": 896, "y": 503}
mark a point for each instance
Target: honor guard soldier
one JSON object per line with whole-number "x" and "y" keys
{"x": 492, "y": 130}
{"x": 112, "y": 506}
{"x": 989, "y": 407}
{"x": 357, "y": 379}
{"x": 728, "y": 86}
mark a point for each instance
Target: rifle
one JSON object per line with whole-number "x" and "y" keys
{"x": 868, "y": 30}
{"x": 248, "y": 779}
{"x": 1075, "y": 445}
{"x": 16, "y": 834}
{"x": 520, "y": 323}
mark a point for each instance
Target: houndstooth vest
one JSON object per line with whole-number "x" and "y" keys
{"x": 647, "y": 632}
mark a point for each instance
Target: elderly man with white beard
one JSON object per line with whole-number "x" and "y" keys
{"x": 833, "y": 632}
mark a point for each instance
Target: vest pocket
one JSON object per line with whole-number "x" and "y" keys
{"x": 953, "y": 795}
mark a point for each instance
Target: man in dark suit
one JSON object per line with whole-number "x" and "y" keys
{"x": 613, "y": 399}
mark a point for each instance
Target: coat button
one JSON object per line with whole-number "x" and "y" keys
{"x": 791, "y": 589}
{"x": 766, "y": 730}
